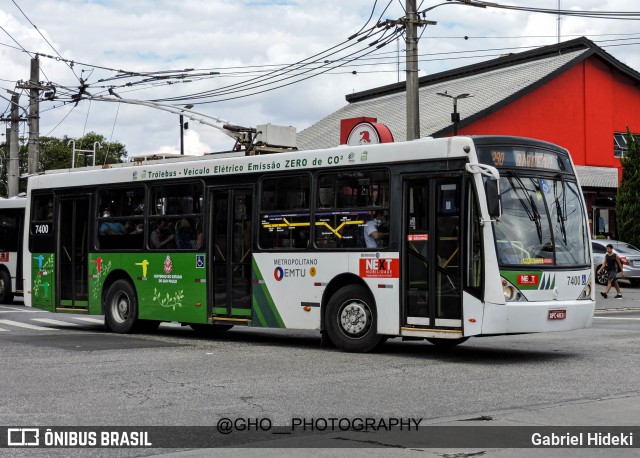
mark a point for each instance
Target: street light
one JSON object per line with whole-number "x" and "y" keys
{"x": 183, "y": 126}
{"x": 455, "y": 116}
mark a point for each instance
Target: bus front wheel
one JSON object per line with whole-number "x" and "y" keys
{"x": 6, "y": 296}
{"x": 351, "y": 320}
{"x": 121, "y": 308}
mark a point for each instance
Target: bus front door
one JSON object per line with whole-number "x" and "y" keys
{"x": 432, "y": 287}
{"x": 230, "y": 255}
{"x": 72, "y": 261}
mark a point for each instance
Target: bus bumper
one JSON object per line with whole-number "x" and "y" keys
{"x": 523, "y": 317}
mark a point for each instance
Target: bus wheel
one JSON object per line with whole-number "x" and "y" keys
{"x": 6, "y": 296}
{"x": 446, "y": 343}
{"x": 210, "y": 329}
{"x": 351, "y": 320}
{"x": 121, "y": 308}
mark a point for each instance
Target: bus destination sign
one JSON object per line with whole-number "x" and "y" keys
{"x": 521, "y": 158}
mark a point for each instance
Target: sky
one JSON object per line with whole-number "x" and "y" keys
{"x": 239, "y": 52}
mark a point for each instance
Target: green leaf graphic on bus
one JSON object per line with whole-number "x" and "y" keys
{"x": 42, "y": 282}
{"x": 168, "y": 301}
{"x": 103, "y": 271}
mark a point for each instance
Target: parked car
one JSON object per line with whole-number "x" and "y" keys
{"x": 629, "y": 255}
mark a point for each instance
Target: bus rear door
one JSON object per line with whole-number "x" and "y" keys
{"x": 72, "y": 269}
{"x": 229, "y": 248}
{"x": 432, "y": 287}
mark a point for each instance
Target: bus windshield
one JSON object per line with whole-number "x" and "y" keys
{"x": 542, "y": 222}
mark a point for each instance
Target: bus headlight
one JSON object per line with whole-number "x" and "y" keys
{"x": 509, "y": 293}
{"x": 586, "y": 292}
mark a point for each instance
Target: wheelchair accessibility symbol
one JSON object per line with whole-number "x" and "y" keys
{"x": 199, "y": 261}
{"x": 545, "y": 186}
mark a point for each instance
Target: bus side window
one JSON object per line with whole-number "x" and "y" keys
{"x": 284, "y": 213}
{"x": 41, "y": 238}
{"x": 346, "y": 204}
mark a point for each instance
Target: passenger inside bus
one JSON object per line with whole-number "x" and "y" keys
{"x": 376, "y": 230}
{"x": 161, "y": 237}
{"x": 110, "y": 227}
{"x": 185, "y": 236}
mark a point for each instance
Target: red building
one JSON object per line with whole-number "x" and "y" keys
{"x": 573, "y": 94}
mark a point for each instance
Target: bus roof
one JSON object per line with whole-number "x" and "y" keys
{"x": 14, "y": 202}
{"x": 216, "y": 166}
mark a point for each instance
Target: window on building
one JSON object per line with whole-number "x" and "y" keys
{"x": 620, "y": 144}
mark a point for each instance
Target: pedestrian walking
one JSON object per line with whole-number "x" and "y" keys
{"x": 613, "y": 264}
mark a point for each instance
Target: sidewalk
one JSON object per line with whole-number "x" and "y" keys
{"x": 630, "y": 297}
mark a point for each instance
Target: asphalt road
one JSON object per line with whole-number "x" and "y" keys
{"x": 66, "y": 370}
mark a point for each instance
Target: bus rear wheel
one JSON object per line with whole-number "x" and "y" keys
{"x": 121, "y": 307}
{"x": 6, "y": 296}
{"x": 446, "y": 343}
{"x": 351, "y": 320}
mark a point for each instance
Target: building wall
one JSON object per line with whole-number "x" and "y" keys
{"x": 579, "y": 109}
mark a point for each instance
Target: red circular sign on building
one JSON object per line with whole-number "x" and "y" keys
{"x": 369, "y": 133}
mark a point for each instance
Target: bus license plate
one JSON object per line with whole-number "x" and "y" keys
{"x": 557, "y": 314}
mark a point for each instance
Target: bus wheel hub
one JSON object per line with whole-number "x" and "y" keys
{"x": 354, "y": 318}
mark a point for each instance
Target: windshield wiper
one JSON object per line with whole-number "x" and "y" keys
{"x": 560, "y": 206}
{"x": 532, "y": 212}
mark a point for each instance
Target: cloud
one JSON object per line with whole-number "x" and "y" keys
{"x": 228, "y": 36}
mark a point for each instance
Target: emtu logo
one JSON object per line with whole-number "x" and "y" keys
{"x": 278, "y": 273}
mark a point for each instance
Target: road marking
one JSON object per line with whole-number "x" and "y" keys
{"x": 22, "y": 310}
{"x": 24, "y": 325}
{"x": 3, "y": 329}
{"x": 614, "y": 318}
{"x": 89, "y": 320}
{"x": 54, "y": 322}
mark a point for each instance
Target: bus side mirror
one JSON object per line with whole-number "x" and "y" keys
{"x": 492, "y": 190}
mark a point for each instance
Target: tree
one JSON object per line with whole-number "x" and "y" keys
{"x": 628, "y": 197}
{"x": 56, "y": 153}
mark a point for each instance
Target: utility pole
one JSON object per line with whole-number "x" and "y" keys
{"x": 34, "y": 87}
{"x": 14, "y": 149}
{"x": 413, "y": 100}
{"x": 34, "y": 117}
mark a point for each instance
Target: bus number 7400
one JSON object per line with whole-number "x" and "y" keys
{"x": 577, "y": 280}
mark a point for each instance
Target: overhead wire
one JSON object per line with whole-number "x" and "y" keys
{"x": 43, "y": 37}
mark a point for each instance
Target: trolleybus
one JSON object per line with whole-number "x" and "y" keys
{"x": 11, "y": 230}
{"x": 441, "y": 239}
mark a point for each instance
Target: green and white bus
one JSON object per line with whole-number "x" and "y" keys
{"x": 441, "y": 239}
{"x": 11, "y": 230}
